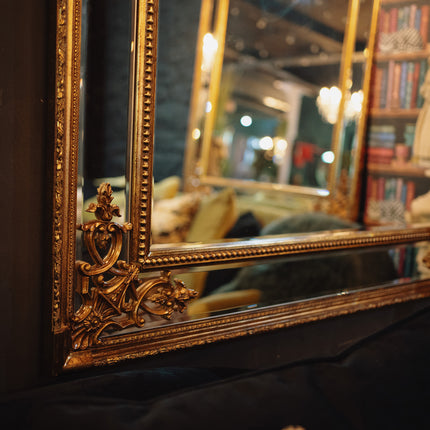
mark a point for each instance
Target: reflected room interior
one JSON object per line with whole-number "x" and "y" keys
{"x": 259, "y": 123}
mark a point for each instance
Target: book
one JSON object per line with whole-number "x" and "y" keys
{"x": 418, "y": 19}
{"x": 380, "y": 155}
{"x": 390, "y": 76}
{"x": 377, "y": 87}
{"x": 410, "y": 194}
{"x": 415, "y": 80}
{"x": 424, "y": 23}
{"x": 395, "y": 98}
{"x": 384, "y": 88}
{"x": 390, "y": 189}
{"x": 383, "y": 26}
{"x": 384, "y": 23}
{"x": 409, "y": 84}
{"x": 399, "y": 187}
{"x": 400, "y": 18}
{"x": 393, "y": 20}
{"x": 423, "y": 71}
{"x": 380, "y": 188}
{"x": 402, "y": 84}
{"x": 412, "y": 13}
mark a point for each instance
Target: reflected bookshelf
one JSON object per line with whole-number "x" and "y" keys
{"x": 395, "y": 175}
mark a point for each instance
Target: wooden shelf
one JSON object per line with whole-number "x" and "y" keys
{"x": 381, "y": 57}
{"x": 394, "y": 113}
{"x": 396, "y": 2}
{"x": 409, "y": 170}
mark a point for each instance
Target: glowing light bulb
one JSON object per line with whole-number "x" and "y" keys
{"x": 266, "y": 143}
{"x": 246, "y": 120}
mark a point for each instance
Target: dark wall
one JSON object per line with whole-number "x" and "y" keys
{"x": 24, "y": 105}
{"x": 178, "y": 26}
{"x": 26, "y": 143}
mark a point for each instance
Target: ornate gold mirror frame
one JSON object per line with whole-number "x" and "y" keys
{"x": 122, "y": 294}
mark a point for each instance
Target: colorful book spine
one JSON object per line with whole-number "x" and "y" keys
{"x": 423, "y": 71}
{"x": 409, "y": 84}
{"x": 410, "y": 194}
{"x": 394, "y": 13}
{"x": 415, "y": 82}
{"x": 424, "y": 26}
{"x": 397, "y": 73}
{"x": 402, "y": 84}
{"x": 418, "y": 19}
{"x": 384, "y": 88}
{"x": 390, "y": 76}
{"x": 412, "y": 14}
{"x": 376, "y": 97}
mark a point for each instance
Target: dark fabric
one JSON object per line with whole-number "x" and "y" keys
{"x": 246, "y": 226}
{"x": 289, "y": 279}
{"x": 382, "y": 382}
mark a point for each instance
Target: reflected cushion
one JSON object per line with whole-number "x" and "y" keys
{"x": 214, "y": 219}
{"x": 172, "y": 218}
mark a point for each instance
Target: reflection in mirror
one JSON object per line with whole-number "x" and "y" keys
{"x": 283, "y": 281}
{"x": 106, "y": 76}
{"x": 266, "y": 100}
{"x": 249, "y": 115}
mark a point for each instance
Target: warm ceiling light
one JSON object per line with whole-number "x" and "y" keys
{"x": 246, "y": 120}
{"x": 266, "y": 143}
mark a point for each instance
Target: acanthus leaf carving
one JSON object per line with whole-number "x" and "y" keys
{"x": 112, "y": 295}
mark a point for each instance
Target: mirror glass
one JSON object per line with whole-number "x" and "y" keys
{"x": 279, "y": 281}
{"x": 105, "y": 97}
{"x": 248, "y": 130}
{"x": 261, "y": 120}
{"x": 248, "y": 126}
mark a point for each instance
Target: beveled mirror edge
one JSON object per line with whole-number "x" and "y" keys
{"x": 153, "y": 341}
{"x": 272, "y": 247}
{"x": 115, "y": 349}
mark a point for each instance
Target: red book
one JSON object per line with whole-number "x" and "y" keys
{"x": 410, "y": 194}
{"x": 374, "y": 192}
{"x": 424, "y": 27}
{"x": 383, "y": 21}
{"x": 383, "y": 24}
{"x": 380, "y": 151}
{"x": 381, "y": 189}
{"x": 393, "y": 19}
{"x": 375, "y": 100}
{"x": 415, "y": 81}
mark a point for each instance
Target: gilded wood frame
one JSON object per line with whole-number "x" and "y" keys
{"x": 76, "y": 343}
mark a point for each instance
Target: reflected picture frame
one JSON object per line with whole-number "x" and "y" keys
{"x": 76, "y": 331}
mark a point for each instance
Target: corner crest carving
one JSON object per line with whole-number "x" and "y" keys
{"x": 113, "y": 297}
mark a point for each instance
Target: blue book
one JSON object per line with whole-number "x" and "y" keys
{"x": 403, "y": 79}
{"x": 404, "y": 192}
{"x": 418, "y": 19}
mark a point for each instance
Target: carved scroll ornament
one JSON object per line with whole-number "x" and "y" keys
{"x": 112, "y": 295}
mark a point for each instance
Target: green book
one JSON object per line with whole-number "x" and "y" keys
{"x": 423, "y": 71}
